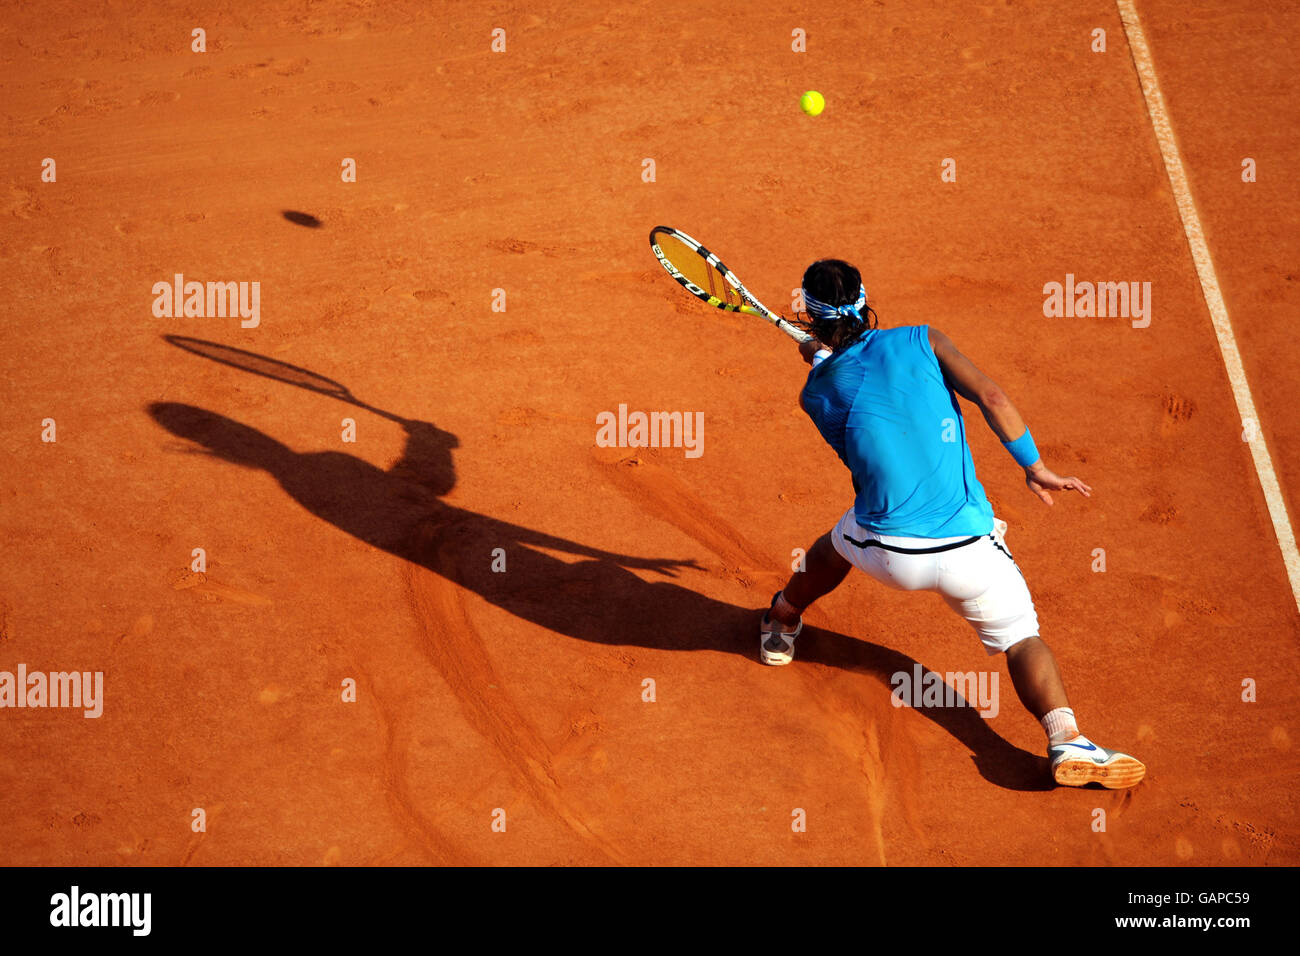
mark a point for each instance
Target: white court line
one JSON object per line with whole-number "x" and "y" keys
{"x": 1210, "y": 289}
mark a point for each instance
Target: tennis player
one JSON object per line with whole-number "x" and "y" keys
{"x": 886, "y": 401}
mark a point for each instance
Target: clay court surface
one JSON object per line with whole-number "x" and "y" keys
{"x": 522, "y": 691}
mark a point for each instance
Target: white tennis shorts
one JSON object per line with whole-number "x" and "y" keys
{"x": 979, "y": 580}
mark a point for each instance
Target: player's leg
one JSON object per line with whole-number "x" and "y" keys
{"x": 982, "y": 583}
{"x": 1036, "y": 676}
{"x": 825, "y": 565}
{"x": 823, "y": 571}
{"x": 1075, "y": 760}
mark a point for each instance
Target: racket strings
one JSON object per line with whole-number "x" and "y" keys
{"x": 697, "y": 270}
{"x": 723, "y": 290}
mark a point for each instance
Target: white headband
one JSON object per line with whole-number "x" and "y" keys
{"x": 822, "y": 312}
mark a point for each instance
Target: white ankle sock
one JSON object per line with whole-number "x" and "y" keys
{"x": 1059, "y": 725}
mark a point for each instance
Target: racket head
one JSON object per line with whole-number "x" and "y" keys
{"x": 700, "y": 272}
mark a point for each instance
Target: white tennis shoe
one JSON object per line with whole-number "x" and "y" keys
{"x": 1078, "y": 762}
{"x": 775, "y": 642}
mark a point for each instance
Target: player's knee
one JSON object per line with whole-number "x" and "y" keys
{"x": 1016, "y": 645}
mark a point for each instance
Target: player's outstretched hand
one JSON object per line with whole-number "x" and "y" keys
{"x": 1042, "y": 480}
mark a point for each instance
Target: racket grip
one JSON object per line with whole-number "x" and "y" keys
{"x": 796, "y": 333}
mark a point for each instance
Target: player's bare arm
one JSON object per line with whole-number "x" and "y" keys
{"x": 1002, "y": 417}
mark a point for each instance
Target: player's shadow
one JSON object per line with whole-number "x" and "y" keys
{"x": 593, "y": 598}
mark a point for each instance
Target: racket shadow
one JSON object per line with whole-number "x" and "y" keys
{"x": 268, "y": 367}
{"x": 596, "y": 598}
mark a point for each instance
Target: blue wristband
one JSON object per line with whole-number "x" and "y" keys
{"x": 1022, "y": 449}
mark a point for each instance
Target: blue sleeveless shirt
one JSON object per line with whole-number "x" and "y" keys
{"x": 882, "y": 403}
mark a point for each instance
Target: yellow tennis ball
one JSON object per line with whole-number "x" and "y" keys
{"x": 812, "y": 103}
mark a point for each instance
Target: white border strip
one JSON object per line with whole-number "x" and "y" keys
{"x": 1210, "y": 289}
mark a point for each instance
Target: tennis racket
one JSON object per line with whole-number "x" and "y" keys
{"x": 702, "y": 274}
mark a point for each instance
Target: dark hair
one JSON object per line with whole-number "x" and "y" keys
{"x": 837, "y": 282}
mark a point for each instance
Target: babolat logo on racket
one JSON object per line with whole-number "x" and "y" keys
{"x": 672, "y": 271}
{"x": 663, "y": 261}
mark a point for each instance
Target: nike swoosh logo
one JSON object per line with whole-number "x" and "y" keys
{"x": 1080, "y": 746}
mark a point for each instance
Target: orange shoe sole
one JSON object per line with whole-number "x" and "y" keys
{"x": 1118, "y": 774}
